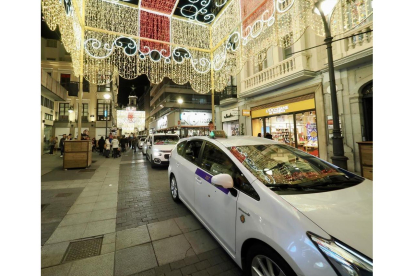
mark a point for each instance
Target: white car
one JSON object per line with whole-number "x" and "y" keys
{"x": 141, "y": 142}
{"x": 159, "y": 147}
{"x": 275, "y": 209}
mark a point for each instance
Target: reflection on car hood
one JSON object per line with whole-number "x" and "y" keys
{"x": 345, "y": 214}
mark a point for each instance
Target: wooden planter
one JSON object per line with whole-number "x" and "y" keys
{"x": 78, "y": 154}
{"x": 366, "y": 159}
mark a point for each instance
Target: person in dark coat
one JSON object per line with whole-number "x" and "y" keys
{"x": 268, "y": 136}
{"x": 101, "y": 144}
{"x": 62, "y": 145}
{"x": 123, "y": 143}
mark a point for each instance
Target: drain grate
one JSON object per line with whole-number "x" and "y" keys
{"x": 63, "y": 195}
{"x": 44, "y": 206}
{"x": 88, "y": 170}
{"x": 83, "y": 249}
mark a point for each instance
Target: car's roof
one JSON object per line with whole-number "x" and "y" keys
{"x": 234, "y": 141}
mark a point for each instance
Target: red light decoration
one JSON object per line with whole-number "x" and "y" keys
{"x": 157, "y": 27}
{"x": 247, "y": 6}
{"x": 162, "y": 6}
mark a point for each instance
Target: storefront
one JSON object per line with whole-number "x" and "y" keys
{"x": 230, "y": 120}
{"x": 190, "y": 123}
{"x": 291, "y": 121}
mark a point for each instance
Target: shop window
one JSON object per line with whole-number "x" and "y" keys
{"x": 215, "y": 161}
{"x": 281, "y": 128}
{"x": 192, "y": 150}
{"x": 307, "y": 132}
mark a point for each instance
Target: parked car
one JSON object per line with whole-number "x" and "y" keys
{"x": 276, "y": 210}
{"x": 141, "y": 142}
{"x": 159, "y": 148}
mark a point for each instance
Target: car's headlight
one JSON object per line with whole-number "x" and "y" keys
{"x": 346, "y": 262}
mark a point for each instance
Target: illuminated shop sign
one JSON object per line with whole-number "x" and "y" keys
{"x": 286, "y": 108}
{"x": 230, "y": 115}
{"x": 195, "y": 119}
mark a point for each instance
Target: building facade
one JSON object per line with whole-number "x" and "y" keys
{"x": 285, "y": 92}
{"x": 98, "y": 114}
{"x": 190, "y": 118}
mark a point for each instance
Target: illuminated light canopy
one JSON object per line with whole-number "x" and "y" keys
{"x": 200, "y": 42}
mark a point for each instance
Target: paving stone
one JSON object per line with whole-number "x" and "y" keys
{"x": 174, "y": 273}
{"x": 103, "y": 214}
{"x": 107, "y": 248}
{"x": 81, "y": 208}
{"x": 134, "y": 259}
{"x": 160, "y": 270}
{"x": 171, "y": 249}
{"x": 201, "y": 273}
{"x": 164, "y": 229}
{"x": 191, "y": 260}
{"x": 102, "y": 265}
{"x": 67, "y": 233}
{"x": 202, "y": 265}
{"x": 110, "y": 197}
{"x": 109, "y": 238}
{"x": 132, "y": 237}
{"x": 95, "y": 228}
{"x": 104, "y": 205}
{"x": 52, "y": 254}
{"x": 89, "y": 193}
{"x": 59, "y": 270}
{"x": 188, "y": 223}
{"x": 215, "y": 260}
{"x": 213, "y": 270}
{"x": 150, "y": 272}
{"x": 177, "y": 265}
{"x": 187, "y": 270}
{"x": 75, "y": 219}
{"x": 201, "y": 241}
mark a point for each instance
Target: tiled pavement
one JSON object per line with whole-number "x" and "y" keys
{"x": 128, "y": 204}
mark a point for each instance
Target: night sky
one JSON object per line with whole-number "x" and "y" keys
{"x": 124, "y": 85}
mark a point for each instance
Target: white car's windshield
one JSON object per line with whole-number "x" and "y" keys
{"x": 282, "y": 168}
{"x": 166, "y": 140}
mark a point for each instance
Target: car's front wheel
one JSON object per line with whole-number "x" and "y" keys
{"x": 174, "y": 189}
{"x": 263, "y": 260}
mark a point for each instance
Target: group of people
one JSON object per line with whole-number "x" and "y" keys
{"x": 115, "y": 144}
{"x": 267, "y": 135}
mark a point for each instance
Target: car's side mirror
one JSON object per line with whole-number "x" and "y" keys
{"x": 224, "y": 180}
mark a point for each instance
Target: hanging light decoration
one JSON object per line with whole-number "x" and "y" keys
{"x": 109, "y": 37}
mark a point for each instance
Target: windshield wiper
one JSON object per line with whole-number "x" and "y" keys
{"x": 285, "y": 186}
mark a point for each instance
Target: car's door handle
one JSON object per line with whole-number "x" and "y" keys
{"x": 244, "y": 212}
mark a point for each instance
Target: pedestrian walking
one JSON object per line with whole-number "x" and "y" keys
{"x": 107, "y": 147}
{"x": 62, "y": 145}
{"x": 123, "y": 143}
{"x": 101, "y": 144}
{"x": 115, "y": 147}
{"x": 52, "y": 144}
{"x": 130, "y": 141}
{"x": 93, "y": 144}
{"x": 134, "y": 143}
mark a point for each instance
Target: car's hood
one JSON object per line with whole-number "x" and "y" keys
{"x": 164, "y": 147}
{"x": 344, "y": 214}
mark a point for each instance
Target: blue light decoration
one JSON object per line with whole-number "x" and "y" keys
{"x": 106, "y": 113}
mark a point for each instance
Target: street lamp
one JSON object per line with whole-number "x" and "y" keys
{"x": 180, "y": 102}
{"x": 325, "y": 8}
{"x": 107, "y": 97}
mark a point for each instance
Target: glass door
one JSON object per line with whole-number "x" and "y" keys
{"x": 282, "y": 129}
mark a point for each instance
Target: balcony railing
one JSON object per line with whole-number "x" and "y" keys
{"x": 362, "y": 38}
{"x": 286, "y": 67}
{"x": 53, "y": 85}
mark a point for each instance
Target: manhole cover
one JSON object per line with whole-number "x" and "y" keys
{"x": 44, "y": 206}
{"x": 88, "y": 170}
{"x": 63, "y": 195}
{"x": 83, "y": 249}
